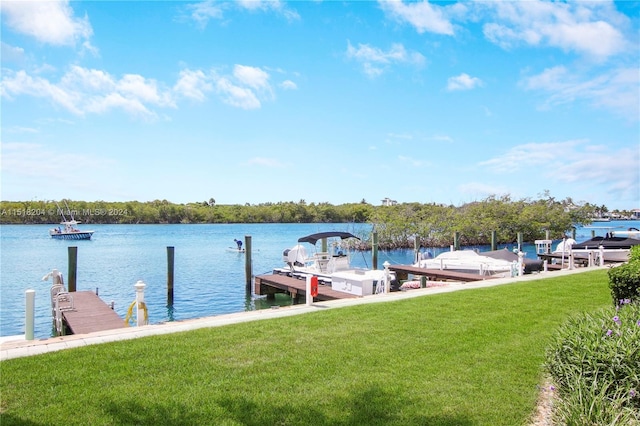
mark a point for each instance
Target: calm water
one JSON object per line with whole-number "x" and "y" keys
{"x": 208, "y": 279}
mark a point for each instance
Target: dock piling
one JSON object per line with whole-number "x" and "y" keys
{"x": 374, "y": 251}
{"x": 247, "y": 263}
{"x": 73, "y": 268}
{"x": 30, "y": 314}
{"x": 170, "y": 273}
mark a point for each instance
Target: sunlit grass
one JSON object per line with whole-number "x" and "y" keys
{"x": 462, "y": 358}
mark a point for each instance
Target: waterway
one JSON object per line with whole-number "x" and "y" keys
{"x": 209, "y": 279}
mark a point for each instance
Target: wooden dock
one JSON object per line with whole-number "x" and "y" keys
{"x": 270, "y": 284}
{"x": 403, "y": 271}
{"x": 90, "y": 313}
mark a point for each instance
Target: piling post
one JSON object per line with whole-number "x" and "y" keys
{"x": 547, "y": 236}
{"x": 416, "y": 250}
{"x": 387, "y": 277}
{"x": 494, "y": 241}
{"x": 601, "y": 256}
{"x": 247, "y": 263}
{"x": 73, "y": 268}
{"x": 520, "y": 263}
{"x": 30, "y": 310}
{"x": 456, "y": 240}
{"x": 374, "y": 250}
{"x": 170, "y": 274}
{"x": 519, "y": 241}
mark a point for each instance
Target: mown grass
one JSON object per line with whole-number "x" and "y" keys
{"x": 472, "y": 357}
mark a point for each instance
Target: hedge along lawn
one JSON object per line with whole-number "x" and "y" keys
{"x": 470, "y": 357}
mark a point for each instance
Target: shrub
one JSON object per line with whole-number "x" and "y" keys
{"x": 624, "y": 280}
{"x": 594, "y": 360}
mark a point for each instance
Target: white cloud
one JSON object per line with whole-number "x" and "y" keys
{"x": 51, "y": 22}
{"x": 234, "y": 95}
{"x": 193, "y": 85}
{"x": 575, "y": 162}
{"x": 463, "y": 82}
{"x": 590, "y": 28}
{"x": 202, "y": 12}
{"x": 424, "y": 16}
{"x": 374, "y": 60}
{"x": 616, "y": 89}
{"x": 11, "y": 53}
{"x": 288, "y": 85}
{"x": 82, "y": 90}
{"x": 252, "y": 77}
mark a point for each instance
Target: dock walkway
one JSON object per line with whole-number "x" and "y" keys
{"x": 90, "y": 314}
{"x": 270, "y": 284}
{"x": 403, "y": 271}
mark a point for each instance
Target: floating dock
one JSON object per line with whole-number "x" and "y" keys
{"x": 270, "y": 284}
{"x": 90, "y": 314}
{"x": 403, "y": 271}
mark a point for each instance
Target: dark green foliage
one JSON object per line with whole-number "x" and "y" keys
{"x": 397, "y": 226}
{"x": 594, "y": 359}
{"x": 624, "y": 280}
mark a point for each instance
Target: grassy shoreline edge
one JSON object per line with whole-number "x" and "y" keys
{"x": 471, "y": 357}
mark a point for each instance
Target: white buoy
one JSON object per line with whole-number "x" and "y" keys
{"x": 30, "y": 314}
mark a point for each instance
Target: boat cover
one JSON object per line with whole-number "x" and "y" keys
{"x": 313, "y": 238}
{"x": 530, "y": 265}
{"x": 607, "y": 243}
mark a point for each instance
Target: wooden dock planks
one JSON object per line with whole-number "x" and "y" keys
{"x": 402, "y": 272}
{"x": 90, "y": 314}
{"x": 270, "y": 284}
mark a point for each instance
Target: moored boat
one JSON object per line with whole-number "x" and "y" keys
{"x": 69, "y": 228}
{"x": 69, "y": 231}
{"x": 607, "y": 248}
{"x": 470, "y": 261}
{"x": 332, "y": 266}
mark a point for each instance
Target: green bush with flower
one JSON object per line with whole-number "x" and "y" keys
{"x": 594, "y": 358}
{"x": 594, "y": 363}
{"x": 624, "y": 280}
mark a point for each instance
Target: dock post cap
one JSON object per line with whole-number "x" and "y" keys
{"x": 140, "y": 285}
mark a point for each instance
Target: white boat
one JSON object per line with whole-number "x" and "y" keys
{"x": 607, "y": 249}
{"x": 332, "y": 267}
{"x": 68, "y": 229}
{"x": 629, "y": 233}
{"x": 470, "y": 261}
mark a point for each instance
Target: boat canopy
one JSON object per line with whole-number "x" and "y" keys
{"x": 607, "y": 243}
{"x": 313, "y": 238}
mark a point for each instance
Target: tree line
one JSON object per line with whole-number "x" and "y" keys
{"x": 397, "y": 226}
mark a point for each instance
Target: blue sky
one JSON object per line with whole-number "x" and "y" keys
{"x": 322, "y": 101}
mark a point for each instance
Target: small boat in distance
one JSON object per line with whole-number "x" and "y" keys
{"x": 69, "y": 229}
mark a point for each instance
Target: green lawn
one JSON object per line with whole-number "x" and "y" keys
{"x": 471, "y": 357}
